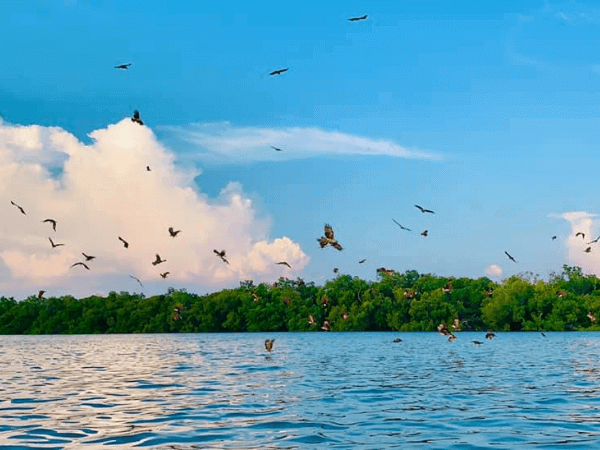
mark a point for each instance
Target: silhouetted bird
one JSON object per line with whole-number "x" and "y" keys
{"x": 269, "y": 344}
{"x": 356, "y": 19}
{"x": 397, "y": 340}
{"x": 362, "y": 261}
{"x": 580, "y": 233}
{"x": 53, "y": 244}
{"x": 402, "y": 227}
{"x": 148, "y": 169}
{"x": 88, "y": 257}
{"x": 284, "y": 263}
{"x": 41, "y": 294}
{"x": 173, "y": 233}
{"x": 165, "y": 275}
{"x": 553, "y": 238}
{"x": 510, "y": 257}
{"x": 276, "y": 149}
{"x": 80, "y": 264}
{"x": 279, "y": 72}
{"x": 329, "y": 239}
{"x": 123, "y": 66}
{"x": 52, "y": 221}
{"x": 490, "y": 335}
{"x": 136, "y": 279}
{"x": 424, "y": 233}
{"x": 477, "y": 343}
{"x": 423, "y": 210}
{"x": 336, "y": 270}
{"x": 136, "y": 117}
{"x": 158, "y": 260}
{"x": 543, "y": 334}
{"x": 125, "y": 243}
{"x": 221, "y": 254}
{"x": 20, "y": 208}
{"x": 595, "y": 240}
{"x": 587, "y": 250}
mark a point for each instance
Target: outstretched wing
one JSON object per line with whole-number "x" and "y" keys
{"x": 336, "y": 245}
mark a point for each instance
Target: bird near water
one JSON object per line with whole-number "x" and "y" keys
{"x": 269, "y": 344}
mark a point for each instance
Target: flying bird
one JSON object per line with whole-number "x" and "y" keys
{"x": 329, "y": 239}
{"x": 336, "y": 270}
{"x": 269, "y": 344}
{"x": 276, "y": 149}
{"x": 41, "y": 294}
{"x": 397, "y": 340}
{"x": 477, "y": 343}
{"x": 490, "y": 335}
{"x": 509, "y": 256}
{"x": 165, "y": 275}
{"x": 587, "y": 250}
{"x": 284, "y": 263}
{"x": 52, "y": 221}
{"x": 591, "y": 316}
{"x": 362, "y": 261}
{"x": 404, "y": 228}
{"x": 123, "y": 66}
{"x": 595, "y": 240}
{"x": 424, "y": 233}
{"x": 311, "y": 320}
{"x": 53, "y": 244}
{"x": 443, "y": 329}
{"x": 356, "y": 19}
{"x": 20, "y": 209}
{"x": 456, "y": 324}
{"x": 158, "y": 260}
{"x": 326, "y": 325}
{"x": 451, "y": 338}
{"x": 136, "y": 117}
{"x": 173, "y": 233}
{"x": 221, "y": 254}
{"x": 423, "y": 210}
{"x": 148, "y": 169}
{"x": 80, "y": 264}
{"x": 279, "y": 72}
{"x": 553, "y": 238}
{"x": 136, "y": 279}
{"x": 88, "y": 257}
{"x": 255, "y": 297}
{"x": 580, "y": 233}
{"x": 125, "y": 243}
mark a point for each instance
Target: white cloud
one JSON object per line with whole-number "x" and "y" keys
{"x": 494, "y": 271}
{"x": 583, "y": 222}
{"x": 224, "y": 142}
{"x": 103, "y": 192}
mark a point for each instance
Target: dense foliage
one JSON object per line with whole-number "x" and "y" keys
{"x": 401, "y": 302}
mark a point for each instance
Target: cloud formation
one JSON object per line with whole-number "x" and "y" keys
{"x": 494, "y": 271}
{"x": 223, "y": 142}
{"x": 583, "y": 222}
{"x": 104, "y": 191}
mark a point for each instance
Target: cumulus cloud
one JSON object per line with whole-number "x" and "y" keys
{"x": 494, "y": 271}
{"x": 104, "y": 191}
{"x": 582, "y": 222}
{"x": 223, "y": 142}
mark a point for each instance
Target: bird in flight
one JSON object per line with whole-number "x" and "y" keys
{"x": 136, "y": 279}
{"x": 490, "y": 335}
{"x": 311, "y": 320}
{"x": 136, "y": 117}
{"x": 255, "y": 297}
{"x": 148, "y": 169}
{"x": 595, "y": 240}
{"x": 52, "y": 221}
{"x": 510, "y": 257}
{"x": 362, "y": 261}
{"x": 88, "y": 257}
{"x": 165, "y": 275}
{"x": 424, "y": 233}
{"x": 404, "y": 228}
{"x": 580, "y": 233}
{"x": 591, "y": 316}
{"x": 477, "y": 343}
{"x": 284, "y": 263}
{"x": 587, "y": 250}
{"x": 125, "y": 243}
{"x": 329, "y": 239}
{"x": 20, "y": 209}
{"x": 80, "y": 264}
{"x": 279, "y": 72}
{"x": 41, "y": 294}
{"x": 158, "y": 260}
{"x": 269, "y": 344}
{"x": 336, "y": 270}
{"x": 123, "y": 66}
{"x": 173, "y": 233}
{"x": 423, "y": 210}
{"x": 276, "y": 149}
{"x": 53, "y": 244}
{"x": 356, "y": 19}
{"x": 553, "y": 238}
{"x": 452, "y": 337}
{"x": 221, "y": 254}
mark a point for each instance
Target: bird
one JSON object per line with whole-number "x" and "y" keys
{"x": 173, "y": 233}
{"x": 158, "y": 260}
{"x": 424, "y": 233}
{"x": 53, "y": 244}
{"x": 255, "y": 297}
{"x": 402, "y": 227}
{"x": 477, "y": 343}
{"x": 443, "y": 329}
{"x": 553, "y": 238}
{"x": 329, "y": 239}
{"x": 397, "y": 340}
{"x": 279, "y": 72}
{"x": 510, "y": 257}
{"x": 88, "y": 257}
{"x": 284, "y": 263}
{"x": 136, "y": 117}
{"x": 52, "y": 221}
{"x": 125, "y": 243}
{"x": 591, "y": 316}
{"x": 345, "y": 315}
{"x": 336, "y": 270}
{"x": 595, "y": 240}
{"x": 448, "y": 287}
{"x": 20, "y": 208}
{"x": 543, "y": 334}
{"x": 356, "y": 19}
{"x": 276, "y": 149}
{"x": 580, "y": 233}
{"x": 326, "y": 326}
{"x": 123, "y": 66}
{"x": 456, "y": 324}
{"x": 41, "y": 294}
{"x": 221, "y": 254}
{"x": 587, "y": 250}
{"x": 80, "y": 264}
{"x": 561, "y": 294}
{"x": 148, "y": 169}
{"x": 269, "y": 344}
{"x": 362, "y": 261}
{"x": 136, "y": 279}
{"x": 165, "y": 275}
{"x": 410, "y": 293}
{"x": 490, "y": 335}
{"x": 423, "y": 210}
{"x": 451, "y": 338}
{"x": 311, "y": 320}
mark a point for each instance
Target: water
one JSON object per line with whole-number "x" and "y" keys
{"x": 316, "y": 390}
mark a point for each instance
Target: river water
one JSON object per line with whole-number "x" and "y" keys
{"x": 314, "y": 390}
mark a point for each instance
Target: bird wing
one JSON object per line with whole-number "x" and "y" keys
{"x": 404, "y": 228}
{"x": 329, "y": 232}
{"x": 336, "y": 245}
{"x": 428, "y": 211}
{"x": 420, "y": 208}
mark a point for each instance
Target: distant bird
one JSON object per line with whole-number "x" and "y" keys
{"x": 136, "y": 117}
{"x": 80, "y": 264}
{"x": 173, "y": 233}
{"x": 489, "y": 292}
{"x": 362, "y": 261}
{"x": 269, "y": 344}
{"x": 158, "y": 260}
{"x": 329, "y": 239}
{"x": 595, "y": 240}
{"x": 311, "y": 320}
{"x": 456, "y": 324}
{"x": 424, "y": 233}
{"x": 561, "y": 294}
{"x": 53, "y": 244}
{"x": 284, "y": 263}
{"x": 591, "y": 316}
{"x": 451, "y": 338}
{"x": 41, "y": 294}
{"x": 397, "y": 340}
{"x": 402, "y": 227}
{"x": 125, "y": 243}
{"x": 123, "y": 66}
{"x": 490, "y": 335}
{"x": 356, "y": 19}
{"x": 345, "y": 315}
{"x": 510, "y": 257}
{"x": 383, "y": 271}
{"x": 580, "y": 233}
{"x": 587, "y": 250}
{"x": 136, "y": 279}
{"x": 477, "y": 343}
{"x": 221, "y": 254}
{"x": 88, "y": 257}
{"x": 255, "y": 297}
{"x": 448, "y": 287}
{"x": 148, "y": 169}
{"x": 276, "y": 149}
{"x": 326, "y": 325}
{"x": 553, "y": 238}
{"x": 52, "y": 221}
{"x": 165, "y": 275}
{"x": 443, "y": 329}
{"x": 423, "y": 210}
{"x": 279, "y": 72}
{"x": 336, "y": 270}
{"x": 410, "y": 293}
{"x": 20, "y": 209}
{"x": 543, "y": 334}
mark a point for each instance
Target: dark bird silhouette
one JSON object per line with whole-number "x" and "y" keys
{"x": 510, "y": 257}
{"x": 397, "y": 340}
{"x": 284, "y": 263}
{"x": 594, "y": 241}
{"x": 477, "y": 343}
{"x": 158, "y": 260}
{"x": 52, "y": 221}
{"x": 136, "y": 279}
{"x": 165, "y": 275}
{"x": 41, "y": 294}
{"x": 362, "y": 261}
{"x": 148, "y": 169}
{"x": 88, "y": 257}
{"x": 336, "y": 270}
{"x": 136, "y": 117}
{"x": 276, "y": 149}
{"x": 329, "y": 239}
{"x": 580, "y": 233}
{"x": 490, "y": 335}
{"x": 123, "y": 66}
{"x": 402, "y": 227}
{"x": 125, "y": 243}
{"x": 356, "y": 19}
{"x": 221, "y": 254}
{"x": 279, "y": 72}
{"x": 587, "y": 250}
{"x": 173, "y": 233}
{"x": 53, "y": 244}
{"x": 425, "y": 233}
{"x": 543, "y": 334}
{"x": 80, "y": 264}
{"x": 423, "y": 210}
{"x": 553, "y": 238}
{"x": 20, "y": 208}
{"x": 269, "y": 345}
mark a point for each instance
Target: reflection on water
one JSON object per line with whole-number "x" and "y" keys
{"x": 344, "y": 390}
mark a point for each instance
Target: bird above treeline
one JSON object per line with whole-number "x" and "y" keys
{"x": 509, "y": 256}
{"x": 123, "y": 66}
{"x": 356, "y": 19}
{"x": 329, "y": 239}
{"x": 284, "y": 263}
{"x": 136, "y": 279}
{"x": 20, "y": 208}
{"x": 165, "y": 274}
{"x": 221, "y": 254}
{"x": 423, "y": 210}
{"x": 279, "y": 72}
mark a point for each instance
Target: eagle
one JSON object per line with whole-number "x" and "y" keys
{"x": 279, "y": 72}
{"x": 329, "y": 239}
{"x": 269, "y": 344}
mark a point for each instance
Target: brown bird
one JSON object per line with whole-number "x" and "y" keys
{"x": 123, "y": 66}
{"x": 52, "y": 221}
{"x": 489, "y": 292}
{"x": 53, "y": 244}
{"x": 329, "y": 238}
{"x": 451, "y": 338}
{"x": 397, "y": 340}
{"x": 165, "y": 275}
{"x": 456, "y": 324}
{"x": 136, "y": 117}
{"x": 580, "y": 233}
{"x": 41, "y": 294}
{"x": 269, "y": 344}
{"x": 255, "y": 297}
{"x": 284, "y": 263}
{"x": 311, "y": 320}
{"x": 221, "y": 254}
{"x": 345, "y": 315}
{"x": 279, "y": 72}
{"x": 20, "y": 208}
{"x": 136, "y": 279}
{"x": 410, "y": 293}
{"x": 125, "y": 243}
{"x": 356, "y": 19}
{"x": 443, "y": 329}
{"x": 402, "y": 227}
{"x": 424, "y": 233}
{"x": 490, "y": 335}
{"x": 423, "y": 210}
{"x": 88, "y": 257}
{"x": 362, "y": 261}
{"x": 158, "y": 260}
{"x": 173, "y": 233}
{"x": 326, "y": 326}
{"x": 448, "y": 287}
{"x": 587, "y": 250}
{"x": 80, "y": 264}
{"x": 591, "y": 316}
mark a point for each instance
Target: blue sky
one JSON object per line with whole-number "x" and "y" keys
{"x": 490, "y": 112}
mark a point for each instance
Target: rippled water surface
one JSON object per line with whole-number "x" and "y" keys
{"x": 315, "y": 390}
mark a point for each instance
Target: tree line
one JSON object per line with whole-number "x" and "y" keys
{"x": 396, "y": 301}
